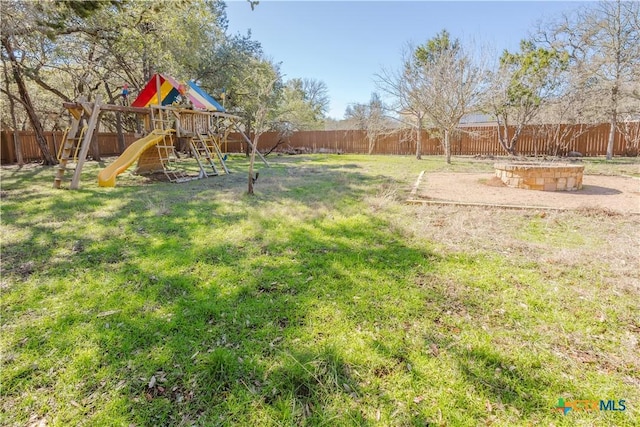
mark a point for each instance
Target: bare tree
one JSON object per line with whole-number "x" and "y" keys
{"x": 403, "y": 87}
{"x": 439, "y": 81}
{"x": 18, "y": 21}
{"x": 629, "y": 128}
{"x": 603, "y": 43}
{"x": 371, "y": 118}
{"x": 451, "y": 84}
{"x": 563, "y": 118}
{"x": 316, "y": 94}
{"x": 12, "y": 112}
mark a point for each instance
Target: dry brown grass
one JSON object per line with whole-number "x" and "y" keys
{"x": 556, "y": 238}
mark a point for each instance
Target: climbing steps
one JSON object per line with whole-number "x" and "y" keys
{"x": 160, "y": 118}
{"x": 160, "y": 148}
{"x": 201, "y": 152}
{"x": 205, "y": 149}
{"x": 169, "y": 158}
{"x": 214, "y": 139}
{"x": 75, "y": 146}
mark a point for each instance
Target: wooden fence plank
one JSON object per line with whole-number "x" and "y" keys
{"x": 472, "y": 140}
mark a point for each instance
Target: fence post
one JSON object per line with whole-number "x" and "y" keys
{"x": 13, "y": 145}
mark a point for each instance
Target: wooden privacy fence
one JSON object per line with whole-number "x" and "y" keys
{"x": 478, "y": 140}
{"x": 107, "y": 143}
{"x": 469, "y": 141}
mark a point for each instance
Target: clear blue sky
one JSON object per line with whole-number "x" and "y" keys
{"x": 345, "y": 44}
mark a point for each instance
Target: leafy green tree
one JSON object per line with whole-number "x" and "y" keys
{"x": 304, "y": 105}
{"x": 265, "y": 83}
{"x": 518, "y": 88}
{"x": 67, "y": 49}
{"x": 250, "y": 99}
{"x": 435, "y": 49}
{"x": 20, "y": 21}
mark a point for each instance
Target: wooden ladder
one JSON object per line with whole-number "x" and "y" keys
{"x": 82, "y": 141}
{"x": 160, "y": 120}
{"x": 163, "y": 124}
{"x": 216, "y": 149}
{"x": 74, "y": 146}
{"x": 202, "y": 153}
{"x": 169, "y": 159}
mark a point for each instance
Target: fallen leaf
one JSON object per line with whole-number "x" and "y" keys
{"x": 107, "y": 313}
{"x": 307, "y": 410}
{"x": 418, "y": 399}
{"x": 434, "y": 349}
{"x": 152, "y": 381}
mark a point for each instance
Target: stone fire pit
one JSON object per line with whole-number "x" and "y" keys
{"x": 541, "y": 176}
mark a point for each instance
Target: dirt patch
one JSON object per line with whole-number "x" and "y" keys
{"x": 613, "y": 193}
{"x": 494, "y": 181}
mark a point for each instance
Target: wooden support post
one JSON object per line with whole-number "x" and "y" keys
{"x": 67, "y": 144}
{"x": 158, "y": 88}
{"x": 178, "y": 123}
{"x": 12, "y": 151}
{"x": 246, "y": 138}
{"x": 86, "y": 142}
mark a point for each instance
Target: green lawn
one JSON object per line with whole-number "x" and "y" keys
{"x": 322, "y": 300}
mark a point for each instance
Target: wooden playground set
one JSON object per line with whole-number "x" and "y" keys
{"x": 172, "y": 115}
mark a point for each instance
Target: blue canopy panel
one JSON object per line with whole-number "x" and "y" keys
{"x": 204, "y": 98}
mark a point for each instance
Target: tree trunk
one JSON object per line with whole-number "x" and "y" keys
{"x": 507, "y": 142}
{"x": 612, "y": 134}
{"x": 247, "y": 151}
{"x": 49, "y": 159}
{"x": 251, "y": 162}
{"x": 112, "y": 100}
{"x": 419, "y": 138}
{"x": 95, "y": 147}
{"x": 12, "y": 112}
{"x": 18, "y": 147}
{"x": 121, "y": 143}
{"x": 447, "y": 147}
{"x": 146, "y": 64}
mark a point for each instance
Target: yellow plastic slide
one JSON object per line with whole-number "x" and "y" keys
{"x": 107, "y": 177}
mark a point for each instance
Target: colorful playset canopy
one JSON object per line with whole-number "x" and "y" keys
{"x": 169, "y": 92}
